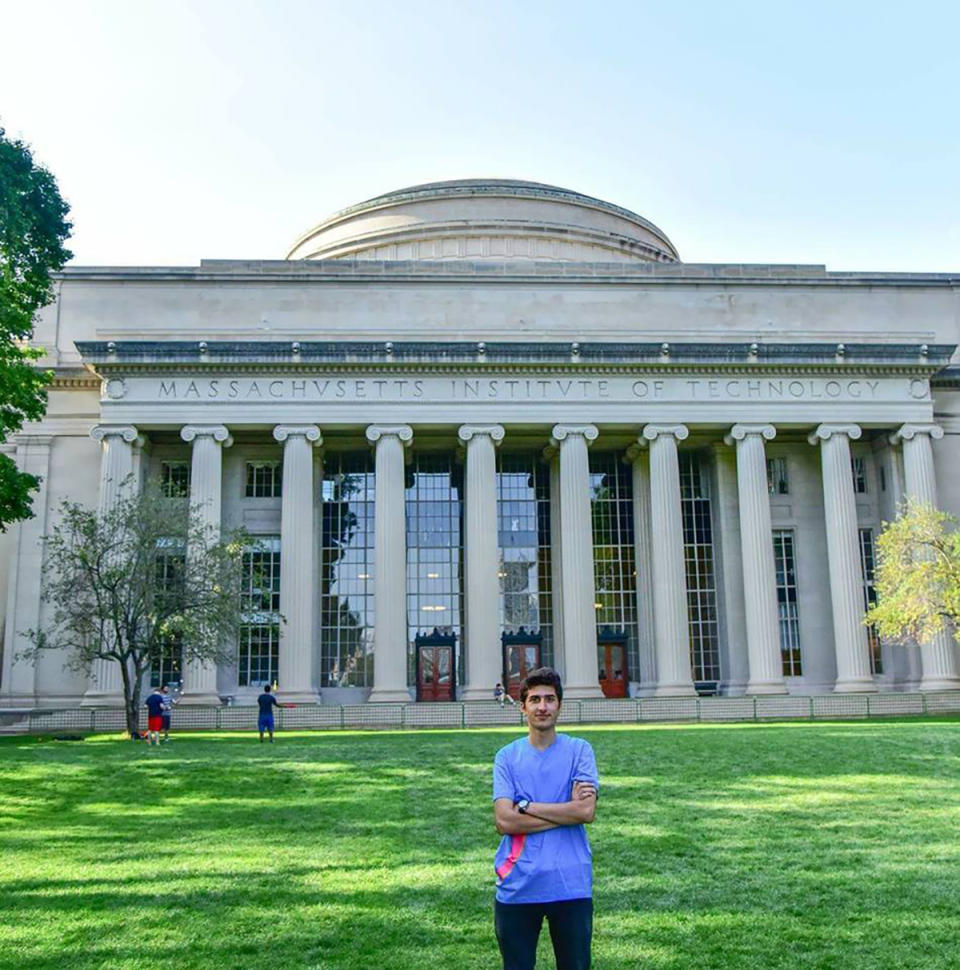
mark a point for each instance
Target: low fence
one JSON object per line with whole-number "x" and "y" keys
{"x": 487, "y": 713}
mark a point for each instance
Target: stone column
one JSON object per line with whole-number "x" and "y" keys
{"x": 639, "y": 458}
{"x": 390, "y": 564}
{"x": 206, "y": 477}
{"x": 843, "y": 555}
{"x": 759, "y": 572}
{"x": 938, "y": 657}
{"x": 671, "y": 624}
{"x": 17, "y": 686}
{"x": 482, "y": 626}
{"x": 552, "y": 456}
{"x": 298, "y": 587}
{"x": 581, "y": 675}
{"x": 117, "y": 481}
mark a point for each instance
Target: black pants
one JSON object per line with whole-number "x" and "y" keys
{"x": 518, "y": 929}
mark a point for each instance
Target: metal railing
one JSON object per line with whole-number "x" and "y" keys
{"x": 488, "y": 713}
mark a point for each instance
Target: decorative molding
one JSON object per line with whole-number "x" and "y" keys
{"x": 402, "y": 431}
{"x": 218, "y": 432}
{"x": 561, "y": 432}
{"x": 653, "y": 431}
{"x": 125, "y": 431}
{"x": 740, "y": 431}
{"x": 495, "y": 432}
{"x": 309, "y": 431}
{"x": 826, "y": 431}
{"x": 908, "y": 432}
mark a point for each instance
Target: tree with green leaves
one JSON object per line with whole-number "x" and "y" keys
{"x": 917, "y": 578}
{"x": 136, "y": 582}
{"x": 33, "y": 230}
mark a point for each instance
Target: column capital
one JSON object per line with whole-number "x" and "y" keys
{"x": 653, "y": 431}
{"x": 467, "y": 432}
{"x": 402, "y": 431}
{"x": 740, "y": 431}
{"x": 825, "y": 432}
{"x": 309, "y": 431}
{"x": 561, "y": 432}
{"x": 908, "y": 432}
{"x": 218, "y": 432}
{"x": 125, "y": 431}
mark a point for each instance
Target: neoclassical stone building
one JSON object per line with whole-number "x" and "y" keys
{"x": 479, "y": 425}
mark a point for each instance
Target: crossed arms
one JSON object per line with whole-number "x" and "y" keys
{"x": 541, "y": 816}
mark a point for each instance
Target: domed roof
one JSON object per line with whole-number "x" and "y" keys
{"x": 486, "y": 219}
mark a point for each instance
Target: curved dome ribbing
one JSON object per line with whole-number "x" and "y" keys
{"x": 486, "y": 219}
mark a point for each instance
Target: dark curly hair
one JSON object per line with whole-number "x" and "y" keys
{"x": 541, "y": 677}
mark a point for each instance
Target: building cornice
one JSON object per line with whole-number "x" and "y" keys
{"x": 395, "y": 272}
{"x": 129, "y": 355}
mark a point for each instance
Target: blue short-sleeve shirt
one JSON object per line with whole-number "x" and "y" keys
{"x": 544, "y": 867}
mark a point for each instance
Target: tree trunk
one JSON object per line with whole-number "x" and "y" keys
{"x": 131, "y": 694}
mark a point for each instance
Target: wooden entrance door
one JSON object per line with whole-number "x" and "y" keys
{"x": 612, "y": 663}
{"x": 436, "y": 666}
{"x": 521, "y": 654}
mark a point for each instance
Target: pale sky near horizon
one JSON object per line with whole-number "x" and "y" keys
{"x": 747, "y": 131}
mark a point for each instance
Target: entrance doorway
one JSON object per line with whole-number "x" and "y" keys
{"x": 436, "y": 665}
{"x": 521, "y": 654}
{"x": 612, "y": 662}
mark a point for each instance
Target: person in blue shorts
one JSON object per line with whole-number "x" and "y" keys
{"x": 267, "y": 703}
{"x": 545, "y": 789}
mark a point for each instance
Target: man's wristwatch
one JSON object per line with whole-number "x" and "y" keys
{"x": 523, "y": 805}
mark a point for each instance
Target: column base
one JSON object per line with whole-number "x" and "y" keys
{"x": 103, "y": 698}
{"x": 200, "y": 699}
{"x": 580, "y": 692}
{"x": 645, "y": 690}
{"x": 388, "y": 695}
{"x": 857, "y": 686}
{"x": 675, "y": 690}
{"x": 18, "y": 701}
{"x": 298, "y": 697}
{"x": 766, "y": 687}
{"x": 939, "y": 683}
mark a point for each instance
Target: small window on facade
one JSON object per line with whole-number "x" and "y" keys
{"x": 859, "y": 469}
{"x": 883, "y": 479}
{"x": 788, "y": 608}
{"x": 777, "y": 481}
{"x": 264, "y": 479}
{"x": 867, "y": 570}
{"x": 175, "y": 479}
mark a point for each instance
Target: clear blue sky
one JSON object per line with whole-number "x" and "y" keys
{"x": 754, "y": 132}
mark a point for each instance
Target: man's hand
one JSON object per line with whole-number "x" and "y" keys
{"x": 511, "y": 822}
{"x": 583, "y": 790}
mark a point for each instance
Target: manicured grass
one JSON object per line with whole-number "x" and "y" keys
{"x": 825, "y": 845}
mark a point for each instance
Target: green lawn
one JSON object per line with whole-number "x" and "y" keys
{"x": 757, "y": 846}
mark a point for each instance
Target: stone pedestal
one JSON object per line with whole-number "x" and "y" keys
{"x": 671, "y": 625}
{"x": 938, "y": 657}
{"x": 298, "y": 586}
{"x": 482, "y": 619}
{"x": 390, "y": 564}
{"x": 843, "y": 555}
{"x": 581, "y": 674}
{"x": 206, "y": 478}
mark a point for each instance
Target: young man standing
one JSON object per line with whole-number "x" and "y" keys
{"x": 544, "y": 791}
{"x": 168, "y": 702}
{"x": 267, "y": 703}
{"x": 155, "y": 703}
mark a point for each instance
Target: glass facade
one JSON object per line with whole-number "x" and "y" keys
{"x": 614, "y": 567}
{"x": 346, "y": 572}
{"x": 434, "y": 513}
{"x": 523, "y": 522}
{"x": 787, "y": 602}
{"x": 175, "y": 479}
{"x": 258, "y": 653}
{"x": 699, "y": 561}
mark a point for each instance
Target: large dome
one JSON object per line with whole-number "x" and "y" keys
{"x": 486, "y": 219}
